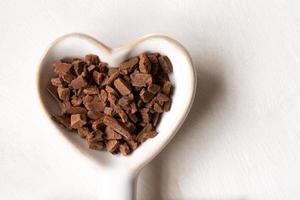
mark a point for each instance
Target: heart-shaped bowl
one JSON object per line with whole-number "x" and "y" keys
{"x": 118, "y": 172}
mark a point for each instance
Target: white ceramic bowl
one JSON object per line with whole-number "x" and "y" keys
{"x": 118, "y": 173}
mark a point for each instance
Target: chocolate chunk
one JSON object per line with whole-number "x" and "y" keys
{"x": 67, "y": 108}
{"x": 167, "y": 88}
{"x": 165, "y": 64}
{"x": 124, "y": 102}
{"x": 83, "y": 131}
{"x": 92, "y": 59}
{"x": 154, "y": 60}
{"x": 77, "y": 121}
{"x": 110, "y": 134}
{"x": 124, "y": 149}
{"x": 144, "y": 64}
{"x": 112, "y": 145}
{"x": 157, "y": 108}
{"x": 146, "y": 96}
{"x": 112, "y": 71}
{"x": 63, "y": 93}
{"x": 155, "y": 119}
{"x": 133, "y": 108}
{"x": 102, "y": 67}
{"x": 143, "y": 136}
{"x": 56, "y": 82}
{"x": 94, "y": 114}
{"x": 140, "y": 103}
{"x": 147, "y": 127}
{"x": 98, "y": 77}
{"x": 133, "y": 144}
{"x": 130, "y": 126}
{"x": 108, "y": 111}
{"x": 76, "y": 110}
{"x": 140, "y": 79}
{"x": 103, "y": 96}
{"x": 91, "y": 90}
{"x": 162, "y": 97}
{"x": 96, "y": 145}
{"x": 117, "y": 126}
{"x": 78, "y": 83}
{"x": 127, "y": 78}
{"x": 98, "y": 124}
{"x": 129, "y": 66}
{"x": 110, "y": 90}
{"x": 78, "y": 66}
{"x": 61, "y": 68}
{"x": 76, "y": 101}
{"x": 112, "y": 99}
{"x": 121, "y": 113}
{"x": 151, "y": 103}
{"x": 133, "y": 118}
{"x": 91, "y": 68}
{"x": 153, "y": 88}
{"x": 145, "y": 114}
{"x": 167, "y": 106}
{"x": 97, "y": 136}
{"x": 67, "y": 77}
{"x": 93, "y": 103}
{"x": 112, "y": 78}
{"x": 122, "y": 86}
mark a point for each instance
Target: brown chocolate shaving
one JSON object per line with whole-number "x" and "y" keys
{"x": 117, "y": 126}
{"x": 77, "y": 121}
{"x": 129, "y": 66}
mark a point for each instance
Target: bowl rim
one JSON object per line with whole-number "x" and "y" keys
{"x": 130, "y": 45}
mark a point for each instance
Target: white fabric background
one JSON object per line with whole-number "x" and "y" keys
{"x": 241, "y": 140}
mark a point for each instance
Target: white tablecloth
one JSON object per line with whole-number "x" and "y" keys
{"x": 241, "y": 140}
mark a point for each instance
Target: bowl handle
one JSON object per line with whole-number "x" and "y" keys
{"x": 115, "y": 185}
